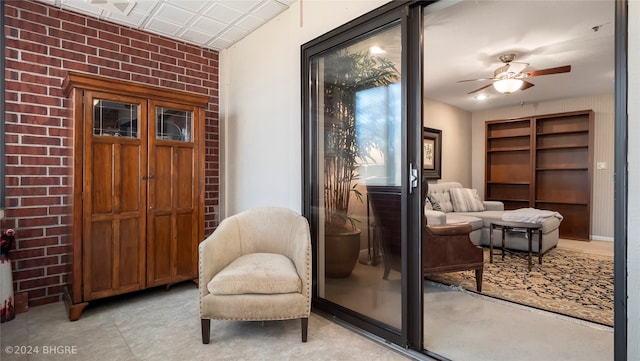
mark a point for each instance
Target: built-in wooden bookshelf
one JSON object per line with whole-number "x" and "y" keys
{"x": 543, "y": 162}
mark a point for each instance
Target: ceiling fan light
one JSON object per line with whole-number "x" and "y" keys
{"x": 506, "y": 86}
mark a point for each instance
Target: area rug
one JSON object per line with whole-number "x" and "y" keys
{"x": 571, "y": 283}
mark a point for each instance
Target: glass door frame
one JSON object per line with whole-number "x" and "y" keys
{"x": 409, "y": 14}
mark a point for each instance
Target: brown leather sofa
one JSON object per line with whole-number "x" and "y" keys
{"x": 445, "y": 248}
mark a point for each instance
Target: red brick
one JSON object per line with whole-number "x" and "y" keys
{"x": 79, "y": 66}
{"x": 32, "y": 273}
{"x": 26, "y": 67}
{"x": 39, "y": 201}
{"x": 40, "y": 59}
{"x": 27, "y": 253}
{"x": 40, "y": 140}
{"x": 134, "y": 34}
{"x": 58, "y": 250}
{"x": 79, "y": 29}
{"x": 144, "y": 62}
{"x": 99, "y": 43}
{"x": 37, "y": 262}
{"x": 27, "y": 16}
{"x": 30, "y": 212}
{"x": 136, "y": 69}
{"x": 37, "y": 293}
{"x": 40, "y": 99}
{"x": 114, "y": 73}
{"x": 152, "y": 48}
{"x": 79, "y": 47}
{"x": 25, "y": 182}
{"x": 108, "y": 36}
{"x": 38, "y": 242}
{"x": 67, "y": 35}
{"x": 68, "y": 16}
{"x": 34, "y": 302}
{"x": 170, "y": 44}
{"x": 110, "y": 55}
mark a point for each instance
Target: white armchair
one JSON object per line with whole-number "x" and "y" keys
{"x": 256, "y": 266}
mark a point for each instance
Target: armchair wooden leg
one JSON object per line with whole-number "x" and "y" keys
{"x": 206, "y": 330}
{"x": 479, "y": 279}
{"x": 304, "y": 322}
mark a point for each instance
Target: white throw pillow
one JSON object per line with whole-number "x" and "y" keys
{"x": 465, "y": 200}
{"x": 261, "y": 273}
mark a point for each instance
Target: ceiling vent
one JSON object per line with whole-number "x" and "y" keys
{"x": 123, "y": 7}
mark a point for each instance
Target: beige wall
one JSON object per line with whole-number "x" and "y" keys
{"x": 455, "y": 124}
{"x": 602, "y": 186}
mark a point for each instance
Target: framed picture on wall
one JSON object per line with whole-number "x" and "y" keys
{"x": 432, "y": 153}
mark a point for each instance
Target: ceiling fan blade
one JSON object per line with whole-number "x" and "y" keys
{"x": 468, "y": 80}
{"x": 477, "y": 90}
{"x": 517, "y": 67}
{"x": 549, "y": 71}
{"x": 526, "y": 85}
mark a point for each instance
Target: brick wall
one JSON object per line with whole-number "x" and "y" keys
{"x": 43, "y": 43}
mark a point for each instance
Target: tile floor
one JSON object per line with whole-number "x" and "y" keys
{"x": 165, "y": 325}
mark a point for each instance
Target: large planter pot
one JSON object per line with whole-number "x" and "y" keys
{"x": 341, "y": 253}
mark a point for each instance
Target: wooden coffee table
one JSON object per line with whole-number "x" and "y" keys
{"x": 529, "y": 228}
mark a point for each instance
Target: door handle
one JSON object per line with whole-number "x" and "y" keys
{"x": 413, "y": 177}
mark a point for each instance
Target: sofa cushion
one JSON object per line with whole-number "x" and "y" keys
{"x": 465, "y": 200}
{"x": 475, "y": 222}
{"x": 262, "y": 273}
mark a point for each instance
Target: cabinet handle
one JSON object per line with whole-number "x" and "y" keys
{"x": 149, "y": 177}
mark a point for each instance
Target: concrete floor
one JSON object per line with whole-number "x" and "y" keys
{"x": 160, "y": 325}
{"x": 462, "y": 325}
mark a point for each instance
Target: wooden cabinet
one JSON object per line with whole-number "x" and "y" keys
{"x": 543, "y": 162}
{"x": 138, "y": 189}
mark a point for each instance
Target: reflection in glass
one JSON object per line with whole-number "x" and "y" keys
{"x": 173, "y": 124}
{"x": 115, "y": 119}
{"x": 356, "y": 109}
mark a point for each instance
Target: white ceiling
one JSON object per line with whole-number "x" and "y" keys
{"x": 214, "y": 24}
{"x": 462, "y": 40}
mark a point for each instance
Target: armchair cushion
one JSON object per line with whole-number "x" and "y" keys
{"x": 261, "y": 273}
{"x": 466, "y": 200}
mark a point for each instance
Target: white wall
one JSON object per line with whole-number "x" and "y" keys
{"x": 602, "y": 186}
{"x": 633, "y": 219}
{"x": 260, "y": 105}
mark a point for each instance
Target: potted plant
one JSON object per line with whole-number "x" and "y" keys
{"x": 346, "y": 74}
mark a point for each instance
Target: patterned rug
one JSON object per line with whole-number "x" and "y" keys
{"x": 571, "y": 283}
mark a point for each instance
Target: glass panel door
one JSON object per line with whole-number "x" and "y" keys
{"x": 355, "y": 114}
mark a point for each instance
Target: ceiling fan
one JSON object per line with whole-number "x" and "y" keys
{"x": 510, "y": 77}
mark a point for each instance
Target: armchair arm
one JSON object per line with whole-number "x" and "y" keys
{"x": 448, "y": 248}
{"x": 493, "y": 206}
{"x": 216, "y": 252}
{"x": 435, "y": 217}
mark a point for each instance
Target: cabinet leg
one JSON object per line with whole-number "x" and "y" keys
{"x": 74, "y": 310}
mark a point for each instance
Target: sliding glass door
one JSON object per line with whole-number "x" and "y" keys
{"x": 358, "y": 179}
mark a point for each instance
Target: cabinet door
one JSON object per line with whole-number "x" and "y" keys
{"x": 114, "y": 194}
{"x": 173, "y": 210}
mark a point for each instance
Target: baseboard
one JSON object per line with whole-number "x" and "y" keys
{"x": 601, "y": 238}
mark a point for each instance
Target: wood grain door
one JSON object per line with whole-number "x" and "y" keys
{"x": 114, "y": 194}
{"x": 173, "y": 209}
